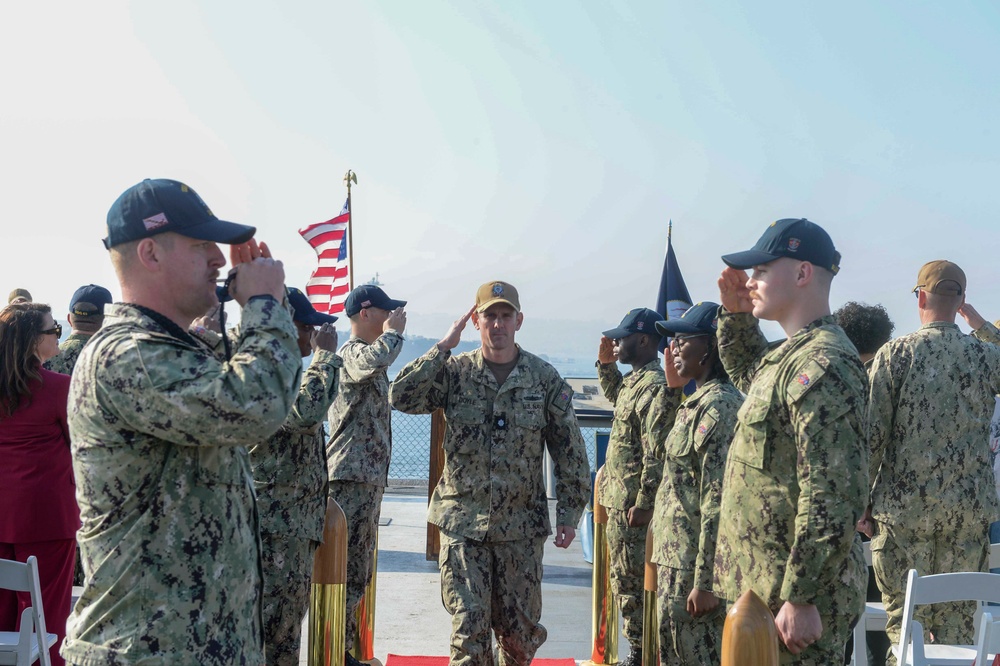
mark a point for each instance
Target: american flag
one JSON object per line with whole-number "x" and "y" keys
{"x": 329, "y": 284}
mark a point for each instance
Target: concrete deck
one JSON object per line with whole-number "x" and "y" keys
{"x": 409, "y": 616}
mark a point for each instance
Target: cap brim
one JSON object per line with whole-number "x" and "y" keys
{"x": 748, "y": 259}
{"x": 317, "y": 319}
{"x": 671, "y": 327}
{"x": 218, "y": 231}
{"x": 493, "y": 301}
{"x": 393, "y": 304}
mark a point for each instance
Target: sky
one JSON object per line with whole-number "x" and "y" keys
{"x": 545, "y": 144}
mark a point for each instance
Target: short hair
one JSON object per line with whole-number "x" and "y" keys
{"x": 943, "y": 303}
{"x": 867, "y": 326}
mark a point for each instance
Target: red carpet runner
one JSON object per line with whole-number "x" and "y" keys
{"x": 407, "y": 660}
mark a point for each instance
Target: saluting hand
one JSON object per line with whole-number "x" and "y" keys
{"x": 454, "y": 334}
{"x": 733, "y": 292}
{"x": 324, "y": 337}
{"x": 396, "y": 321}
{"x": 971, "y": 316}
{"x": 606, "y": 352}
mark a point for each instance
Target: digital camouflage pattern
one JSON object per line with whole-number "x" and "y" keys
{"x": 928, "y": 427}
{"x": 492, "y": 488}
{"x": 288, "y": 567}
{"x": 686, "y": 521}
{"x": 289, "y": 470}
{"x": 362, "y": 504}
{"x": 795, "y": 482}
{"x": 631, "y": 474}
{"x": 359, "y": 451}
{"x": 929, "y": 414}
{"x": 491, "y": 503}
{"x": 686, "y": 640}
{"x": 360, "y": 444}
{"x": 69, "y": 351}
{"x": 289, "y": 473}
{"x": 479, "y": 578}
{"x": 169, "y": 540}
{"x": 897, "y": 549}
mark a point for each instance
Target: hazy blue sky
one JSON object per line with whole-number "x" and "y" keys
{"x": 544, "y": 143}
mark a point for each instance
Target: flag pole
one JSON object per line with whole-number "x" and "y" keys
{"x": 350, "y": 177}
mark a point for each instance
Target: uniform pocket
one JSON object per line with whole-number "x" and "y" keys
{"x": 749, "y": 446}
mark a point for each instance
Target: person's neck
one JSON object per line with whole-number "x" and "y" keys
{"x": 367, "y": 333}
{"x": 157, "y": 304}
{"x": 500, "y": 355}
{"x": 802, "y": 317}
{"x": 930, "y": 317}
{"x": 642, "y": 362}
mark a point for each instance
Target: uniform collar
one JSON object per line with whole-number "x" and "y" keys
{"x": 634, "y": 376}
{"x": 801, "y": 336}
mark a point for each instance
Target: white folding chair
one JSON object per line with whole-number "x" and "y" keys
{"x": 940, "y": 588}
{"x": 23, "y": 647}
{"x": 988, "y": 644}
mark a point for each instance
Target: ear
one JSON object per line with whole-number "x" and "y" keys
{"x": 805, "y": 273}
{"x": 150, "y": 254}
{"x": 475, "y": 320}
{"x": 922, "y": 299}
{"x": 520, "y": 320}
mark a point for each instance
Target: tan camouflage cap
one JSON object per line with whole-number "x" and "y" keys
{"x": 941, "y": 277}
{"x": 19, "y": 293}
{"x": 497, "y": 292}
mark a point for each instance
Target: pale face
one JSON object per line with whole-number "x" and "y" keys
{"x": 48, "y": 343}
{"x": 497, "y": 326}
{"x": 192, "y": 268}
{"x": 772, "y": 288}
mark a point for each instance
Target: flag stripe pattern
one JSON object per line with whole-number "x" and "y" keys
{"x": 329, "y": 284}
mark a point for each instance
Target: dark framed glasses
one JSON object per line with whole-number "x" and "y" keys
{"x": 681, "y": 340}
{"x": 55, "y": 330}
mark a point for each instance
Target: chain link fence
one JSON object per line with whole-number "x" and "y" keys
{"x": 411, "y": 445}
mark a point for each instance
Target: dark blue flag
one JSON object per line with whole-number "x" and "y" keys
{"x": 673, "y": 300}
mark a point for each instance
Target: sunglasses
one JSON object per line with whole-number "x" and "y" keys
{"x": 681, "y": 340}
{"x": 55, "y": 330}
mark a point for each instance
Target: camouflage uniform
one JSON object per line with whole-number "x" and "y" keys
{"x": 630, "y": 478}
{"x": 796, "y": 482}
{"x": 289, "y": 473}
{"x": 490, "y": 503}
{"x": 69, "y": 351}
{"x": 358, "y": 453}
{"x": 933, "y": 495}
{"x": 169, "y": 538}
{"x": 686, "y": 522}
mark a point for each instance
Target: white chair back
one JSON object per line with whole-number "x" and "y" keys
{"x": 32, "y": 641}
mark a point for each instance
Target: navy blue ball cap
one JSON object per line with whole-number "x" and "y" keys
{"x": 796, "y": 238}
{"x": 89, "y": 300}
{"x": 639, "y": 320}
{"x": 157, "y": 206}
{"x": 699, "y": 319}
{"x": 369, "y": 296}
{"x": 303, "y": 310}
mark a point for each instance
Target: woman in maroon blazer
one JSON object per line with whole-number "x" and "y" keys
{"x": 39, "y": 514}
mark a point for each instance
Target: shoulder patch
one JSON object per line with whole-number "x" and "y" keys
{"x": 805, "y": 378}
{"x": 563, "y": 400}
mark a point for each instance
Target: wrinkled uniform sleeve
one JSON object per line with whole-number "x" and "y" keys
{"x": 422, "y": 386}
{"x": 319, "y": 387}
{"x": 212, "y": 403}
{"x": 566, "y": 447}
{"x": 611, "y": 380}
{"x": 880, "y": 418}
{"x": 987, "y": 333}
{"x": 741, "y": 345}
{"x": 827, "y": 430}
{"x": 363, "y": 361}
{"x": 658, "y": 419}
